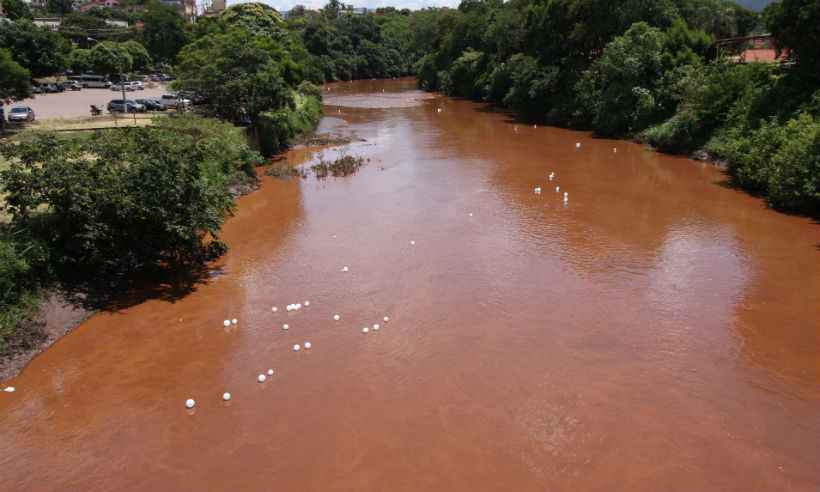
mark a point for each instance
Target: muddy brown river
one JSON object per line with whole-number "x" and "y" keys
{"x": 660, "y": 331}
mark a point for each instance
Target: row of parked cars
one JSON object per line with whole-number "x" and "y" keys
{"x": 153, "y": 104}
{"x": 68, "y": 85}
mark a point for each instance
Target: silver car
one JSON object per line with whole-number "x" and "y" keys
{"x": 21, "y": 114}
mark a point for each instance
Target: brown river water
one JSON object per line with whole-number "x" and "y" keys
{"x": 660, "y": 331}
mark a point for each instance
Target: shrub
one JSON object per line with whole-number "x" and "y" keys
{"x": 127, "y": 199}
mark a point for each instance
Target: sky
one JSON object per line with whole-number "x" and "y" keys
{"x": 283, "y": 5}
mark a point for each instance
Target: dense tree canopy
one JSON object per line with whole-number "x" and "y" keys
{"x": 14, "y": 79}
{"x": 39, "y": 50}
{"x": 796, "y": 26}
{"x": 163, "y": 33}
{"x": 16, "y": 9}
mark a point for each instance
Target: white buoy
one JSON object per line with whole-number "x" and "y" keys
{"x": 537, "y": 190}
{"x": 438, "y": 110}
{"x": 298, "y": 307}
{"x": 227, "y": 322}
{"x": 365, "y": 330}
{"x": 285, "y": 327}
{"x": 345, "y": 269}
{"x": 578, "y": 145}
{"x": 261, "y": 378}
{"x": 566, "y": 194}
{"x": 226, "y": 396}
{"x": 376, "y": 327}
{"x": 308, "y": 345}
{"x": 615, "y": 150}
{"x": 274, "y": 309}
{"x": 557, "y": 189}
{"x": 190, "y": 403}
{"x": 307, "y": 303}
{"x": 9, "y": 389}
{"x": 336, "y": 317}
{"x": 270, "y": 372}
{"x": 386, "y": 319}
{"x": 412, "y": 243}
{"x": 234, "y": 321}
{"x": 297, "y": 348}
{"x": 471, "y": 214}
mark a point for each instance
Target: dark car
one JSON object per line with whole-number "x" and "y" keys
{"x": 21, "y": 114}
{"x": 151, "y": 104}
{"x": 37, "y": 89}
{"x": 125, "y": 106}
{"x": 52, "y": 88}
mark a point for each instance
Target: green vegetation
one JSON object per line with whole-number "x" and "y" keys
{"x": 648, "y": 70}
{"x": 97, "y": 210}
{"x": 14, "y": 79}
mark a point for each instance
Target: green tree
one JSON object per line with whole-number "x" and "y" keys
{"x": 16, "y": 9}
{"x": 14, "y": 79}
{"x": 80, "y": 60}
{"x": 140, "y": 58}
{"x": 110, "y": 58}
{"x": 240, "y": 74}
{"x": 163, "y": 33}
{"x": 39, "y": 50}
{"x": 795, "y": 25}
{"x": 60, "y": 7}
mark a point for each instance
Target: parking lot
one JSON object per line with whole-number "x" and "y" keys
{"x": 77, "y": 104}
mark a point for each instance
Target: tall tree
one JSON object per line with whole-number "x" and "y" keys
{"x": 164, "y": 32}
{"x": 16, "y": 9}
{"x": 39, "y": 50}
{"x": 796, "y": 26}
{"x": 14, "y": 79}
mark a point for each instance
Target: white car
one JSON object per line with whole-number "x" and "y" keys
{"x": 122, "y": 86}
{"x": 174, "y": 101}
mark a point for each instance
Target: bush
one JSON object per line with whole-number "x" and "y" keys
{"x": 276, "y": 129}
{"x": 127, "y": 199}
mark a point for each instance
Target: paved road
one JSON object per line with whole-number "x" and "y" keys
{"x": 74, "y": 104}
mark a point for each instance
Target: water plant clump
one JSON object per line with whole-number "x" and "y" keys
{"x": 343, "y": 166}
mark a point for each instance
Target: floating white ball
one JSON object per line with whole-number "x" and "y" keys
{"x": 274, "y": 309}
{"x": 285, "y": 327}
{"x": 234, "y": 321}
{"x": 227, "y": 322}
{"x": 471, "y": 214}
{"x": 308, "y": 345}
{"x": 386, "y": 319}
{"x": 578, "y": 145}
{"x": 537, "y": 190}
{"x": 365, "y": 330}
{"x": 226, "y": 396}
{"x": 307, "y": 303}
{"x": 261, "y": 378}
{"x": 270, "y": 372}
{"x": 412, "y": 243}
{"x": 345, "y": 269}
{"x": 297, "y": 348}
{"x": 9, "y": 389}
{"x": 190, "y": 403}
{"x": 376, "y": 327}
{"x": 557, "y": 189}
{"x": 336, "y": 317}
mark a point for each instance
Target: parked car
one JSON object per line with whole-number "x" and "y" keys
{"x": 72, "y": 85}
{"x": 151, "y": 104}
{"x": 21, "y": 114}
{"x": 36, "y": 89}
{"x": 125, "y": 106}
{"x": 52, "y": 88}
{"x": 120, "y": 86}
{"x": 137, "y": 85}
{"x": 174, "y": 101}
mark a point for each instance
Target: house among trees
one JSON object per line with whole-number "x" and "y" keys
{"x": 761, "y": 48}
